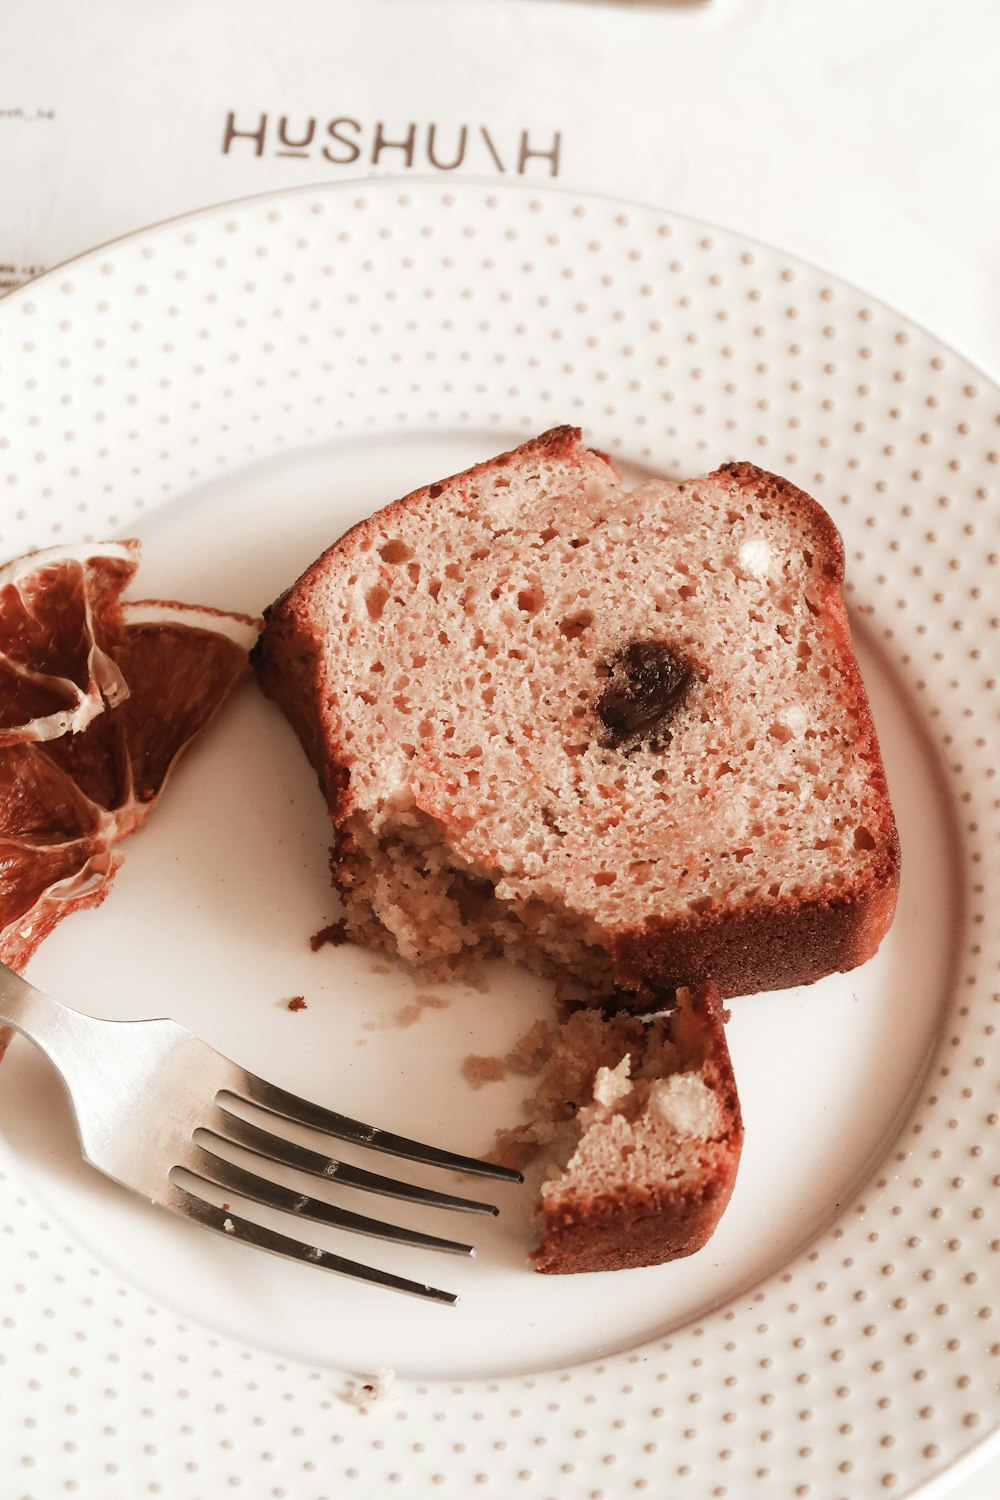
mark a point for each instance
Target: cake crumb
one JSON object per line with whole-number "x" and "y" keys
{"x": 368, "y": 1393}
{"x": 335, "y": 934}
{"x": 515, "y": 1148}
{"x": 431, "y": 1002}
{"x": 411, "y": 1013}
{"x": 612, "y": 1086}
{"x": 229, "y": 1226}
{"x": 480, "y": 1070}
{"x": 532, "y": 1051}
{"x": 298, "y": 1002}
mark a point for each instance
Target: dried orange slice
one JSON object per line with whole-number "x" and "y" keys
{"x": 98, "y": 698}
{"x": 55, "y": 608}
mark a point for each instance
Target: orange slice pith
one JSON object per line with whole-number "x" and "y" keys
{"x": 98, "y": 698}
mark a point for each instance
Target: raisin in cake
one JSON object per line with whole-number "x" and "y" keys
{"x": 637, "y": 1124}
{"x": 618, "y": 734}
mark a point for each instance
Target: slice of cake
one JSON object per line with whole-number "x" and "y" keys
{"x": 615, "y": 734}
{"x": 638, "y": 1124}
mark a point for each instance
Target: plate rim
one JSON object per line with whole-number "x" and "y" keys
{"x": 520, "y": 187}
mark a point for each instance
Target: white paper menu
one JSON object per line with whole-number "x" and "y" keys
{"x": 861, "y": 137}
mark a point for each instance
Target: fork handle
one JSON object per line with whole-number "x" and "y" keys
{"x": 55, "y": 1029}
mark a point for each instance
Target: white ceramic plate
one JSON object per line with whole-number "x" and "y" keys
{"x": 236, "y": 388}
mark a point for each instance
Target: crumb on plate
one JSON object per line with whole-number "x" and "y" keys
{"x": 335, "y": 933}
{"x": 368, "y": 1393}
{"x": 480, "y": 1070}
{"x": 431, "y": 1002}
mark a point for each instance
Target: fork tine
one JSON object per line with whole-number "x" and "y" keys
{"x": 210, "y": 1168}
{"x": 223, "y": 1126}
{"x": 268, "y": 1096}
{"x": 190, "y": 1206}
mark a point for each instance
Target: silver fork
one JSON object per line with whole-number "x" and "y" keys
{"x": 143, "y": 1090}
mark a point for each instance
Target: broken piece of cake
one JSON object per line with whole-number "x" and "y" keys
{"x": 638, "y": 1125}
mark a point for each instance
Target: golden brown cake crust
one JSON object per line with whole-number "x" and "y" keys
{"x": 622, "y": 1235}
{"x": 789, "y": 942}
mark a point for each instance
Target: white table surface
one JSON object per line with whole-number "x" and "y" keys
{"x": 861, "y": 136}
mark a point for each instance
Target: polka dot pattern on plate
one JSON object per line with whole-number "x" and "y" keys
{"x": 868, "y": 1363}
